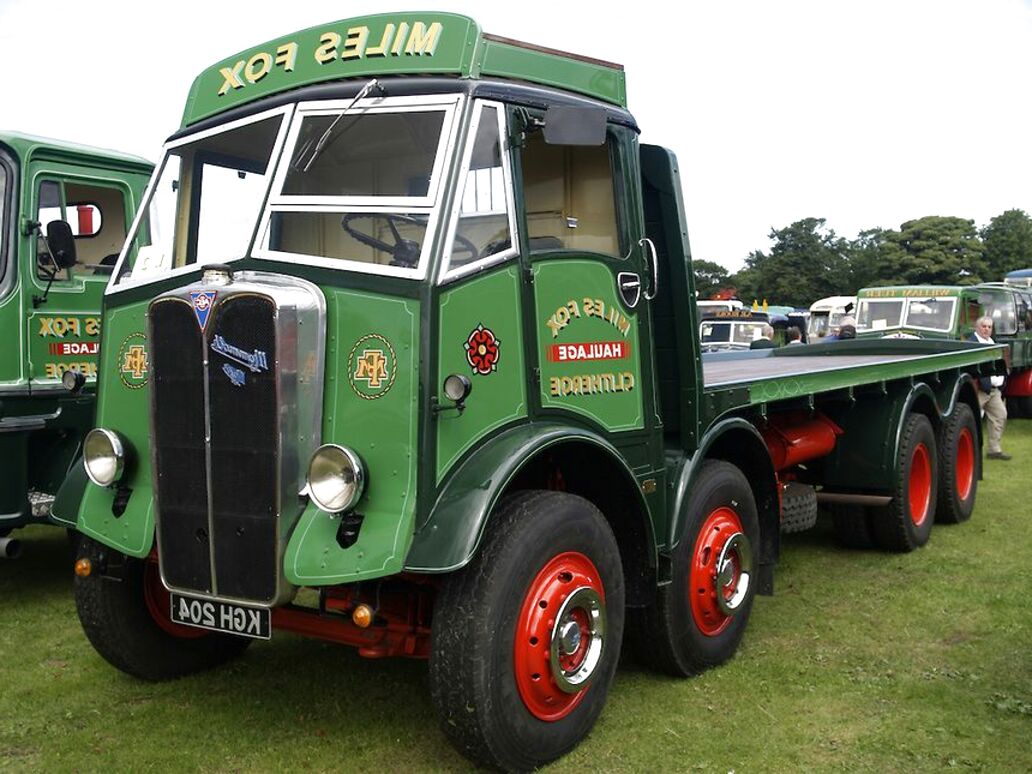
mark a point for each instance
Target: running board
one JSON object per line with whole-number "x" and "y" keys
{"x": 841, "y": 498}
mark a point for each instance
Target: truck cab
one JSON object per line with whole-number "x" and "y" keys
{"x": 50, "y": 298}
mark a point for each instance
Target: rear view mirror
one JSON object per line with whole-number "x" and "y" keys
{"x": 575, "y": 126}
{"x": 61, "y": 243}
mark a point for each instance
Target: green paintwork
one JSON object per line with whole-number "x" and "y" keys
{"x": 383, "y": 430}
{"x": 552, "y": 68}
{"x": 123, "y": 405}
{"x": 491, "y": 303}
{"x": 450, "y": 536}
{"x": 575, "y": 303}
{"x": 385, "y": 45}
{"x": 48, "y": 337}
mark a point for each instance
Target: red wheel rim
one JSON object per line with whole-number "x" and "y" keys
{"x": 560, "y": 635}
{"x": 159, "y": 604}
{"x": 712, "y": 587}
{"x": 919, "y": 487}
{"x": 965, "y": 464}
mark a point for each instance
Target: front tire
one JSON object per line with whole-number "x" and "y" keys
{"x": 526, "y": 637}
{"x": 698, "y": 620}
{"x": 124, "y": 611}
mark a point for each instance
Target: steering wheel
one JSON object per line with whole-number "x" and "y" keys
{"x": 404, "y": 252}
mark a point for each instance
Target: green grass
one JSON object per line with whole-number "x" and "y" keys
{"x": 862, "y": 661}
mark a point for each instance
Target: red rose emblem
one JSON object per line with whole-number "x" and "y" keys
{"x": 482, "y": 350}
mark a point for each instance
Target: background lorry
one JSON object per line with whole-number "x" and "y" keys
{"x": 950, "y": 312}
{"x": 50, "y": 293}
{"x": 826, "y": 315}
{"x": 416, "y": 368}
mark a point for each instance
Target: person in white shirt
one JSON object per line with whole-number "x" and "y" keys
{"x": 990, "y": 395}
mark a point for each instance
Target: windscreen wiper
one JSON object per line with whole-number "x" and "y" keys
{"x": 320, "y": 145}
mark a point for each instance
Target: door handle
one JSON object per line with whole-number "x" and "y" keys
{"x": 654, "y": 260}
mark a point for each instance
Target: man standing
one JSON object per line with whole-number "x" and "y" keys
{"x": 990, "y": 397}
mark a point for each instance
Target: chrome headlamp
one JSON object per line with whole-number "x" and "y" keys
{"x": 336, "y": 478}
{"x": 103, "y": 455}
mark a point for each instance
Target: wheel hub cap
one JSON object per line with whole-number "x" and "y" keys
{"x": 560, "y": 636}
{"x": 721, "y": 573}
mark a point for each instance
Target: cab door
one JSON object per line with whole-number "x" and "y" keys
{"x": 591, "y": 279}
{"x": 63, "y": 305}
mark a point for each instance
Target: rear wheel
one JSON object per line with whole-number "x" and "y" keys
{"x": 124, "y": 610}
{"x": 526, "y": 637}
{"x": 1019, "y": 407}
{"x": 958, "y": 466}
{"x": 698, "y": 620}
{"x": 906, "y": 523}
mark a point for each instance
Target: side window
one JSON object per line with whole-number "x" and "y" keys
{"x": 569, "y": 196}
{"x": 96, "y": 214}
{"x": 483, "y": 226}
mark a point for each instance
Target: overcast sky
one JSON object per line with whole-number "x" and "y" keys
{"x": 866, "y": 113}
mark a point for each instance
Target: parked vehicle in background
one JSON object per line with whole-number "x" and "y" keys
{"x": 950, "y": 312}
{"x": 1021, "y": 278}
{"x": 437, "y": 363}
{"x": 826, "y": 315}
{"x": 64, "y": 214}
{"x": 722, "y": 331}
{"x": 708, "y": 306}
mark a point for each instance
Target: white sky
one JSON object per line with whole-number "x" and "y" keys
{"x": 867, "y": 113}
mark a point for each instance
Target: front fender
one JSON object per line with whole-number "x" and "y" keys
{"x": 766, "y": 482}
{"x": 449, "y": 537}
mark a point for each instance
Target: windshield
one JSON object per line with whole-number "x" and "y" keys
{"x": 1003, "y": 310}
{"x": 880, "y": 314}
{"x": 206, "y": 201}
{"x": 931, "y": 313}
{"x": 741, "y": 333}
{"x": 369, "y": 197}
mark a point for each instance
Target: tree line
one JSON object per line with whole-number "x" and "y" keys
{"x": 809, "y": 260}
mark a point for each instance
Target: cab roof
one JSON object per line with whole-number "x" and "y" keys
{"x": 391, "y": 44}
{"x": 28, "y": 146}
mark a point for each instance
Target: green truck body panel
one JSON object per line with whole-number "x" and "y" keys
{"x": 385, "y": 45}
{"x": 41, "y": 424}
{"x": 124, "y": 401}
{"x": 481, "y": 336}
{"x": 459, "y": 516}
{"x": 375, "y": 412}
{"x": 588, "y": 344}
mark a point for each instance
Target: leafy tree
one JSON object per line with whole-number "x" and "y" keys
{"x": 803, "y": 265}
{"x": 937, "y": 250}
{"x": 1008, "y": 243}
{"x": 872, "y": 260}
{"x": 709, "y": 277}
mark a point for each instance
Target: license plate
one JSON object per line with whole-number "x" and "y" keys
{"x": 222, "y": 616}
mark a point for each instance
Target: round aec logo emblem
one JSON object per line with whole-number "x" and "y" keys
{"x": 133, "y": 361}
{"x": 372, "y": 366}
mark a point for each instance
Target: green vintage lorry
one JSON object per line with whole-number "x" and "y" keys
{"x": 64, "y": 215}
{"x": 950, "y": 312}
{"x": 403, "y": 353}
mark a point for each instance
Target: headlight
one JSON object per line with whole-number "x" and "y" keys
{"x": 336, "y": 478}
{"x": 103, "y": 454}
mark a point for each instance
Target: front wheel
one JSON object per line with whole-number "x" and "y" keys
{"x": 698, "y": 620}
{"x": 526, "y": 637}
{"x": 124, "y": 610}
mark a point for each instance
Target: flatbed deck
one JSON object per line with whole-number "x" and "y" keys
{"x": 793, "y": 371}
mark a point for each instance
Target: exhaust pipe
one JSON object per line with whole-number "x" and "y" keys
{"x": 10, "y": 548}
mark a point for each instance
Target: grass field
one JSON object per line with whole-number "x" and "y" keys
{"x": 861, "y": 661}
